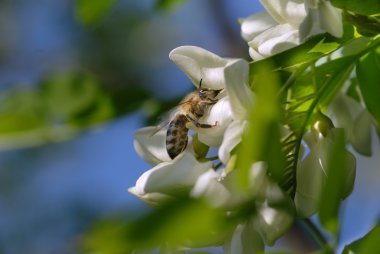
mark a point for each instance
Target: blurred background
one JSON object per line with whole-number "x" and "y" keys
{"x": 77, "y": 78}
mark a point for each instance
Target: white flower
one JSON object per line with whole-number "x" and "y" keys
{"x": 244, "y": 240}
{"x": 313, "y": 170}
{"x": 287, "y": 23}
{"x": 321, "y": 17}
{"x": 355, "y": 119}
{"x": 272, "y": 210}
{"x": 168, "y": 178}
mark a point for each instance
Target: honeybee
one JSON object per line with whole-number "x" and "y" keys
{"x": 189, "y": 110}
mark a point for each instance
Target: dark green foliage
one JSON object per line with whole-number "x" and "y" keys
{"x": 367, "y": 70}
{"x": 365, "y": 7}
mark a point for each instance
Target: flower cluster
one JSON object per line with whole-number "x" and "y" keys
{"x": 287, "y": 23}
{"x": 284, "y": 24}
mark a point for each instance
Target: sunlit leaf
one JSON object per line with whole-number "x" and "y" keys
{"x": 90, "y": 11}
{"x": 367, "y": 70}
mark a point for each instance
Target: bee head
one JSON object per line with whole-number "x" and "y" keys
{"x": 206, "y": 93}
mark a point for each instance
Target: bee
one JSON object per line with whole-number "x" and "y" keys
{"x": 194, "y": 106}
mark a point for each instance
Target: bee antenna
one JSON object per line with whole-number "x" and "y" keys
{"x": 200, "y": 83}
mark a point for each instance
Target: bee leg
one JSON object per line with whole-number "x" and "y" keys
{"x": 201, "y": 125}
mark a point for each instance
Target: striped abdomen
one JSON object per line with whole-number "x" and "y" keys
{"x": 176, "y": 136}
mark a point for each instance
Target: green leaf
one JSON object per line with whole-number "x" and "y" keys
{"x": 335, "y": 186}
{"x": 90, "y": 11}
{"x": 262, "y": 139}
{"x": 54, "y": 110}
{"x": 164, "y": 5}
{"x": 365, "y": 25}
{"x": 76, "y": 98}
{"x": 21, "y": 110}
{"x": 183, "y": 222}
{"x": 305, "y": 53}
{"x": 200, "y": 148}
{"x": 367, "y": 71}
{"x": 365, "y": 7}
{"x": 368, "y": 244}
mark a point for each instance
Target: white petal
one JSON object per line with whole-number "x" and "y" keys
{"x": 313, "y": 171}
{"x": 240, "y": 96}
{"x": 231, "y": 139}
{"x": 349, "y": 114}
{"x": 274, "y": 215}
{"x": 153, "y": 199}
{"x": 310, "y": 181}
{"x": 361, "y": 133}
{"x": 286, "y": 11}
{"x": 275, "y": 40}
{"x": 172, "y": 177}
{"x": 198, "y": 63}
{"x": 255, "y": 24}
{"x": 244, "y": 240}
{"x": 152, "y": 148}
{"x": 220, "y": 113}
{"x": 209, "y": 187}
{"x": 310, "y": 25}
{"x": 331, "y": 19}
{"x": 255, "y": 55}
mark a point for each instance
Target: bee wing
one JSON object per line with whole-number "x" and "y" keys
{"x": 168, "y": 117}
{"x": 160, "y": 126}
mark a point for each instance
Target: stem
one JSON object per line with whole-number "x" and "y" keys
{"x": 318, "y": 236}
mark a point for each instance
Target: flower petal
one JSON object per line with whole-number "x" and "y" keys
{"x": 275, "y": 40}
{"x": 240, "y": 96}
{"x": 256, "y": 24}
{"x": 286, "y": 11}
{"x": 275, "y": 214}
{"x": 361, "y": 133}
{"x": 244, "y": 240}
{"x": 310, "y": 25}
{"x": 331, "y": 19}
{"x": 152, "y": 148}
{"x": 198, "y": 63}
{"x": 354, "y": 118}
{"x": 172, "y": 177}
{"x": 153, "y": 199}
{"x": 209, "y": 187}
{"x": 220, "y": 113}
{"x": 231, "y": 139}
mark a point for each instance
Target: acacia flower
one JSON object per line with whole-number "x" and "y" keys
{"x": 271, "y": 211}
{"x": 313, "y": 170}
{"x": 287, "y": 23}
{"x": 168, "y": 177}
{"x": 355, "y": 119}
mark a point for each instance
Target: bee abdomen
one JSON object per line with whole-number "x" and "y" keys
{"x": 176, "y": 136}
